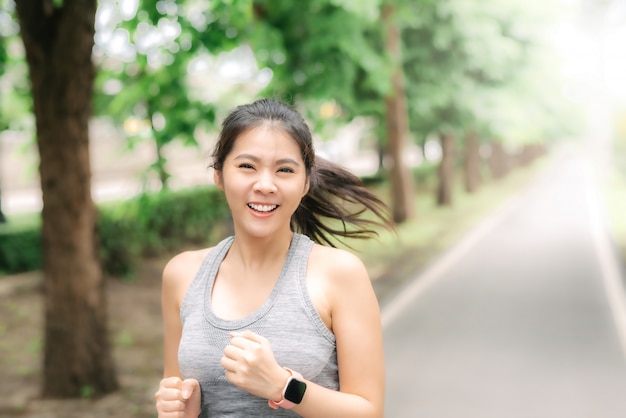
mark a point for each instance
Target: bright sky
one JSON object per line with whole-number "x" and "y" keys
{"x": 594, "y": 58}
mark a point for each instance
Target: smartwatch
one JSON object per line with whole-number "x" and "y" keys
{"x": 293, "y": 392}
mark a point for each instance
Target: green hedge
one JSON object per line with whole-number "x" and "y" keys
{"x": 149, "y": 224}
{"x": 20, "y": 248}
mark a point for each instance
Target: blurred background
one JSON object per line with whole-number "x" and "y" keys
{"x": 445, "y": 108}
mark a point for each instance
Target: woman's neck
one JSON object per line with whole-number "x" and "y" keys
{"x": 254, "y": 253}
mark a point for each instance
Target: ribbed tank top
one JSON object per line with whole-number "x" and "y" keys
{"x": 299, "y": 338}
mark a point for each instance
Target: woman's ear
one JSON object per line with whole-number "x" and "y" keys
{"x": 217, "y": 179}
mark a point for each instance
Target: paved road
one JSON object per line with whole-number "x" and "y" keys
{"x": 520, "y": 320}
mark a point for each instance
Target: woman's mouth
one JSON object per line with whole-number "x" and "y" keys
{"x": 262, "y": 208}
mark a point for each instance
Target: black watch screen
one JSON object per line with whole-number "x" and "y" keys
{"x": 295, "y": 391}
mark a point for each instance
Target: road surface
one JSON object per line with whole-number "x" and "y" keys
{"x": 523, "y": 319}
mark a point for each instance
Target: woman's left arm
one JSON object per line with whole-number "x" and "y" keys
{"x": 356, "y": 324}
{"x": 250, "y": 364}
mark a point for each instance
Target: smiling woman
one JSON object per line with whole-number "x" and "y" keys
{"x": 266, "y": 177}
{"x": 270, "y": 322}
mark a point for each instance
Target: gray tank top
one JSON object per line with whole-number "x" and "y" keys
{"x": 300, "y": 340}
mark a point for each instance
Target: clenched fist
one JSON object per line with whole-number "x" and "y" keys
{"x": 177, "y": 398}
{"x": 249, "y": 364}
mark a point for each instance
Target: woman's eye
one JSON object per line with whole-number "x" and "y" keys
{"x": 245, "y": 165}
{"x": 285, "y": 170}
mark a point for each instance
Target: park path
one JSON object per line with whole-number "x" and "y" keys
{"x": 522, "y": 319}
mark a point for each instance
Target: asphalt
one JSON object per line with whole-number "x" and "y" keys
{"x": 524, "y": 318}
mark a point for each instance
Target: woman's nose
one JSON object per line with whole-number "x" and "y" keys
{"x": 265, "y": 183}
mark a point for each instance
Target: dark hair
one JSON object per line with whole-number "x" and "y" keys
{"x": 330, "y": 184}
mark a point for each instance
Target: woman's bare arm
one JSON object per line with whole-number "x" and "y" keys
{"x": 357, "y": 327}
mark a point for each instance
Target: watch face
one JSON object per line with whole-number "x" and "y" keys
{"x": 295, "y": 391}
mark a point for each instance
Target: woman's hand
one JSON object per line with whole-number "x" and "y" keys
{"x": 177, "y": 398}
{"x": 250, "y": 365}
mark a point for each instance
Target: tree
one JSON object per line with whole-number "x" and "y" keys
{"x": 58, "y": 37}
{"x": 471, "y": 163}
{"x": 397, "y": 122}
{"x": 320, "y": 51}
{"x": 337, "y": 51}
{"x": 150, "y": 91}
{"x": 465, "y": 64}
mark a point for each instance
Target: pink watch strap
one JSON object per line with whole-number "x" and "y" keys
{"x": 284, "y": 403}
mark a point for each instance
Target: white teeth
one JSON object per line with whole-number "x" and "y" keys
{"x": 262, "y": 208}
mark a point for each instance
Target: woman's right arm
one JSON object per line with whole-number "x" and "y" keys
{"x": 171, "y": 299}
{"x": 176, "y": 397}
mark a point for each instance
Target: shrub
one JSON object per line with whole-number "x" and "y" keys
{"x": 154, "y": 223}
{"x": 20, "y": 248}
{"x": 149, "y": 224}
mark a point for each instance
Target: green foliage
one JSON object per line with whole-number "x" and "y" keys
{"x": 87, "y": 391}
{"x": 15, "y": 100}
{"x": 367, "y": 9}
{"x": 149, "y": 224}
{"x": 425, "y": 174}
{"x": 145, "y": 86}
{"x": 167, "y": 216}
{"x": 120, "y": 239}
{"x": 322, "y": 51}
{"x": 155, "y": 223}
{"x": 482, "y": 66}
{"x": 20, "y": 247}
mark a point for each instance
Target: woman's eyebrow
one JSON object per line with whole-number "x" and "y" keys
{"x": 257, "y": 159}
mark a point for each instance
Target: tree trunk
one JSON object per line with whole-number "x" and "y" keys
{"x": 471, "y": 165}
{"x": 58, "y": 42}
{"x": 527, "y": 155}
{"x": 397, "y": 127}
{"x": 446, "y": 170}
{"x": 498, "y": 161}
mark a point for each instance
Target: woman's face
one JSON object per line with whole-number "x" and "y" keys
{"x": 263, "y": 179}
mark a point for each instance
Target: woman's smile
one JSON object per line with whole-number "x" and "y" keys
{"x": 262, "y": 208}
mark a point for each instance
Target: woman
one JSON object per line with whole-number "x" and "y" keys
{"x": 269, "y": 322}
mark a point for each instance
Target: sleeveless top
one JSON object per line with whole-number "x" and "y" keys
{"x": 299, "y": 338}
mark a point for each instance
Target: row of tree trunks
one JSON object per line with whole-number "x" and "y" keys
{"x": 499, "y": 162}
{"x": 58, "y": 41}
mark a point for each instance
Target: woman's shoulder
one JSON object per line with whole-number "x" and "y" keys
{"x": 182, "y": 268}
{"x": 336, "y": 254}
{"x": 338, "y": 263}
{"x": 187, "y": 258}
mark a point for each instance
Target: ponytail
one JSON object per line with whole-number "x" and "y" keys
{"x": 336, "y": 194}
